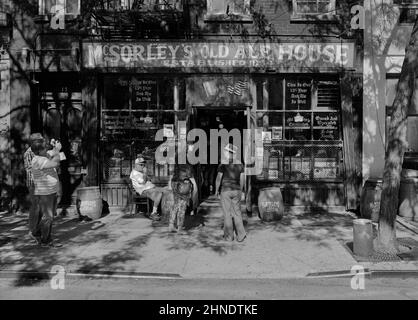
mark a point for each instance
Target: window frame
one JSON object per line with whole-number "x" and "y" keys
{"x": 263, "y": 119}
{"x": 42, "y": 9}
{"x": 314, "y": 17}
{"x": 405, "y": 5}
{"x": 244, "y": 17}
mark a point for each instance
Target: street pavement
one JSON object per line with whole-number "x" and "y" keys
{"x": 211, "y": 289}
{"x": 123, "y": 245}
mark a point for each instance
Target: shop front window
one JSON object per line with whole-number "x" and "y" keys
{"x": 228, "y": 10}
{"x": 301, "y": 130}
{"x": 313, "y": 9}
{"x": 412, "y": 119}
{"x": 134, "y": 109}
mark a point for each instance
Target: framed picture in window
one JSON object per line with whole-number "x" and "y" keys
{"x": 266, "y": 136}
{"x": 277, "y": 133}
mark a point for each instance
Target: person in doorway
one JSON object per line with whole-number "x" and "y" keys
{"x": 45, "y": 178}
{"x": 229, "y": 187}
{"x": 143, "y": 186}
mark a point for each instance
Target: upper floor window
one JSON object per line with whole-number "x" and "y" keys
{"x": 313, "y": 9}
{"x": 407, "y": 15}
{"x": 408, "y": 10}
{"x": 228, "y": 10}
{"x": 50, "y": 6}
{"x": 139, "y": 4}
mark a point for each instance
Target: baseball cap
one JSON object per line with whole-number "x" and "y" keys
{"x": 139, "y": 160}
{"x": 35, "y": 137}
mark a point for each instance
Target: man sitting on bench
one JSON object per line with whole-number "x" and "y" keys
{"x": 144, "y": 187}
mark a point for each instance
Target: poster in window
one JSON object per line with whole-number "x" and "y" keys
{"x": 298, "y": 120}
{"x": 266, "y": 136}
{"x": 169, "y": 130}
{"x": 326, "y": 134}
{"x": 326, "y": 120}
{"x": 298, "y": 94}
{"x": 144, "y": 93}
{"x": 277, "y": 133}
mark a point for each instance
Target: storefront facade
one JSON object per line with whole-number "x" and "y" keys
{"x": 292, "y": 92}
{"x": 121, "y": 70}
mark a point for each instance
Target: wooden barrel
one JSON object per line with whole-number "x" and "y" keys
{"x": 89, "y": 202}
{"x": 370, "y": 199}
{"x": 408, "y": 198}
{"x": 270, "y": 204}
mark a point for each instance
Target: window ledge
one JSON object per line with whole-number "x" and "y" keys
{"x": 223, "y": 17}
{"x": 47, "y": 16}
{"x": 319, "y": 18}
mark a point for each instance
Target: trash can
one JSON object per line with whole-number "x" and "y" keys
{"x": 362, "y": 237}
{"x": 370, "y": 199}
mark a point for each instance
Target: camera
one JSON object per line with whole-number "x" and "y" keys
{"x": 54, "y": 142}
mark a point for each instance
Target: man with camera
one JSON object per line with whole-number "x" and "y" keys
{"x": 46, "y": 185}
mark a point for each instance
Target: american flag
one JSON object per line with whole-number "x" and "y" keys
{"x": 237, "y": 88}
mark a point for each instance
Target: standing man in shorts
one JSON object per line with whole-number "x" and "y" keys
{"x": 45, "y": 178}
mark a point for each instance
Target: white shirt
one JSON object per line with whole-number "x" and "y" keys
{"x": 139, "y": 183}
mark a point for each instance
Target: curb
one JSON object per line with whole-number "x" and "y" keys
{"x": 367, "y": 272}
{"x": 406, "y": 224}
{"x": 36, "y": 275}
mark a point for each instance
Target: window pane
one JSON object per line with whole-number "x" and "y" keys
{"x": 52, "y": 122}
{"x": 116, "y": 92}
{"x": 72, "y": 7}
{"x": 314, "y": 7}
{"x": 276, "y": 94}
{"x": 412, "y": 129}
{"x": 390, "y": 91}
{"x": 48, "y": 5}
{"x": 217, "y": 6}
{"x": 166, "y": 93}
{"x": 228, "y": 6}
{"x": 307, "y": 7}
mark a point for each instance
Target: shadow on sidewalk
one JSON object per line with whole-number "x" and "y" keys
{"x": 123, "y": 245}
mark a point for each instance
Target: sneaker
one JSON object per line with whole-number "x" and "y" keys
{"x": 242, "y": 239}
{"x": 155, "y": 217}
{"x": 34, "y": 238}
{"x": 51, "y": 244}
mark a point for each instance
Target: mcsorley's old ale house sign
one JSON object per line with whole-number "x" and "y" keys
{"x": 218, "y": 55}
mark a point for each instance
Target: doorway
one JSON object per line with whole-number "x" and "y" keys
{"x": 208, "y": 118}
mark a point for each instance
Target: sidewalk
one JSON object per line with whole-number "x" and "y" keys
{"x": 292, "y": 248}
